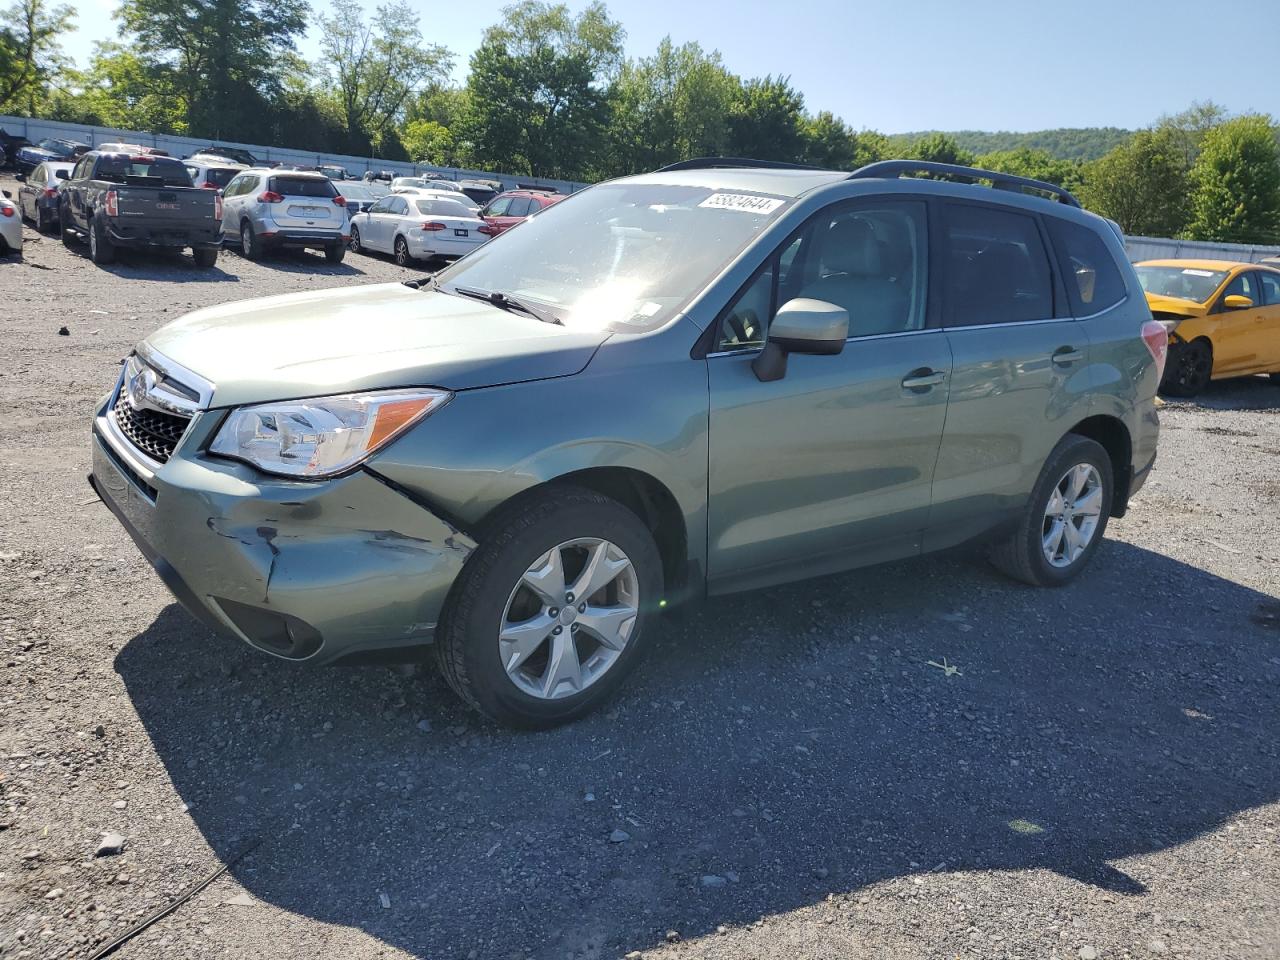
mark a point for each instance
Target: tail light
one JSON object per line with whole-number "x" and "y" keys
{"x": 50, "y": 192}
{"x": 6, "y": 209}
{"x": 1156, "y": 337}
{"x": 488, "y": 230}
{"x": 112, "y": 201}
{"x": 270, "y": 196}
{"x": 340, "y": 201}
{"x": 433, "y": 226}
{"x": 217, "y": 206}
{"x": 209, "y": 185}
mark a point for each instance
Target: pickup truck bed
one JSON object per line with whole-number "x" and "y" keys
{"x": 115, "y": 200}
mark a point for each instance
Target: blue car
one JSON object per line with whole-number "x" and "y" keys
{"x": 52, "y": 148}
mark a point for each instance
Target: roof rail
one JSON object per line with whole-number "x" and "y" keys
{"x": 999, "y": 181}
{"x": 716, "y": 163}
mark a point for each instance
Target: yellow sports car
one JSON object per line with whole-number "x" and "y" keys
{"x": 1223, "y": 319}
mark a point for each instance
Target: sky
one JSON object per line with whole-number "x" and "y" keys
{"x": 932, "y": 64}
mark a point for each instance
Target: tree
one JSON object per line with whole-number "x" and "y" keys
{"x": 766, "y": 121}
{"x": 670, "y": 106}
{"x": 1036, "y": 164}
{"x": 1142, "y": 185}
{"x": 374, "y": 68}
{"x": 938, "y": 148}
{"x": 30, "y": 52}
{"x": 830, "y": 142}
{"x": 426, "y": 141}
{"x": 536, "y": 101}
{"x": 227, "y": 56}
{"x": 1189, "y": 127}
{"x": 1236, "y": 181}
{"x": 122, "y": 90}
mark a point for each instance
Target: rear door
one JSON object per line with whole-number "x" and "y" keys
{"x": 1020, "y": 365}
{"x": 308, "y": 202}
{"x": 830, "y": 466}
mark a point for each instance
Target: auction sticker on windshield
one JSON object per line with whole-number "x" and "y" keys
{"x": 741, "y": 201}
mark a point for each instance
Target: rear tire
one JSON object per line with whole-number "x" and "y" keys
{"x": 403, "y": 258}
{"x": 38, "y": 220}
{"x": 1189, "y": 370}
{"x": 250, "y": 245}
{"x": 204, "y": 258}
{"x": 334, "y": 252}
{"x": 483, "y": 605}
{"x": 101, "y": 251}
{"x": 1025, "y": 555}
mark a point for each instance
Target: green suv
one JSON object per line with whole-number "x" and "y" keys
{"x": 720, "y": 376}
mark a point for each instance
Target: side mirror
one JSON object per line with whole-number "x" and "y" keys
{"x": 1237, "y": 302}
{"x": 801, "y": 326}
{"x": 62, "y": 174}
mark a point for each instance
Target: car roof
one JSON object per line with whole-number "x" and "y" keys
{"x": 779, "y": 182}
{"x": 1197, "y": 264}
{"x": 297, "y": 174}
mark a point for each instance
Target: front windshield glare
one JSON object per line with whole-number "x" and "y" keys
{"x": 620, "y": 256}
{"x": 1181, "y": 283}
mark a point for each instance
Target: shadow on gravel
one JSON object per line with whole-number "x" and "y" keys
{"x": 777, "y": 747}
{"x": 300, "y": 261}
{"x": 1242, "y": 393}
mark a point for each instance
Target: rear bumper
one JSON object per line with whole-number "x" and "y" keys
{"x": 304, "y": 571}
{"x": 443, "y": 246}
{"x": 272, "y": 234}
{"x": 136, "y": 235}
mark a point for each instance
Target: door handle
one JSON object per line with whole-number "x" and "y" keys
{"x": 1065, "y": 356}
{"x": 923, "y": 379}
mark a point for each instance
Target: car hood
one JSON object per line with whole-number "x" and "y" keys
{"x": 1183, "y": 308}
{"x": 40, "y": 152}
{"x": 365, "y": 338}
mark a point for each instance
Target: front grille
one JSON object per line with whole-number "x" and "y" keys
{"x": 153, "y": 432}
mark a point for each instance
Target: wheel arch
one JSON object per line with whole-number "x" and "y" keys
{"x": 645, "y": 496}
{"x": 1113, "y": 436}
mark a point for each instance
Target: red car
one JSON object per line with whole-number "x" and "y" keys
{"x": 507, "y": 209}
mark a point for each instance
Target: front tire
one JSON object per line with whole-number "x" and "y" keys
{"x": 1190, "y": 369}
{"x": 517, "y": 642}
{"x": 1065, "y": 517}
{"x": 355, "y": 240}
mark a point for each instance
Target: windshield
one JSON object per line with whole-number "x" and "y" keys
{"x": 60, "y": 147}
{"x": 303, "y": 186}
{"x": 443, "y": 208}
{"x": 1181, "y": 283}
{"x": 622, "y": 256}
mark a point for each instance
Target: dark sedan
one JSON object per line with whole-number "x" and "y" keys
{"x": 51, "y": 148}
{"x": 38, "y": 195}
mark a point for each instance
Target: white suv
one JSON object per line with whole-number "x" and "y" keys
{"x": 268, "y": 209}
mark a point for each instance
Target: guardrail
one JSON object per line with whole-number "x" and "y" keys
{"x": 35, "y": 130}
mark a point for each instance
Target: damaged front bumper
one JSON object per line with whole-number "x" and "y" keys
{"x": 313, "y": 571}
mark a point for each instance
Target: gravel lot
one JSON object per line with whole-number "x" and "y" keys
{"x": 788, "y": 775}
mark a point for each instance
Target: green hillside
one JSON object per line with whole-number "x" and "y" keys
{"x": 1066, "y": 143}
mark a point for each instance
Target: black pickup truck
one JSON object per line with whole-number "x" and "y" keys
{"x": 118, "y": 200}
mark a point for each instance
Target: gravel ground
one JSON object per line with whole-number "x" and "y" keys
{"x": 790, "y": 775}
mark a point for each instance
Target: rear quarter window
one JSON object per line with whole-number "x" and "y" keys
{"x": 1093, "y": 280}
{"x": 996, "y": 267}
{"x": 303, "y": 187}
{"x": 116, "y": 169}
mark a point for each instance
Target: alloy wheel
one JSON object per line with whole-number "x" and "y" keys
{"x": 569, "y": 618}
{"x": 354, "y": 242}
{"x": 402, "y": 253}
{"x": 246, "y": 241}
{"x": 1072, "y": 514}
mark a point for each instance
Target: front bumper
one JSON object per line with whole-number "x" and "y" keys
{"x": 306, "y": 571}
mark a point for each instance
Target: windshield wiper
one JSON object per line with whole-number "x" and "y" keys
{"x": 509, "y": 303}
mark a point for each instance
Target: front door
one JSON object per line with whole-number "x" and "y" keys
{"x": 1269, "y": 322}
{"x": 1238, "y": 341}
{"x": 829, "y": 467}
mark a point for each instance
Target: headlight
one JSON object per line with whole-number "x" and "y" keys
{"x": 323, "y": 436}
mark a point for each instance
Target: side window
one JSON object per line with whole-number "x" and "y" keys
{"x": 399, "y": 206}
{"x": 382, "y": 206}
{"x": 1270, "y": 283}
{"x": 996, "y": 268}
{"x": 744, "y": 324}
{"x": 1244, "y": 285}
{"x": 870, "y": 258}
{"x": 1093, "y": 281}
{"x": 499, "y": 207}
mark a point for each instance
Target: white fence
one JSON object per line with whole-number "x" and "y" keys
{"x": 1156, "y": 248}
{"x": 35, "y": 130}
